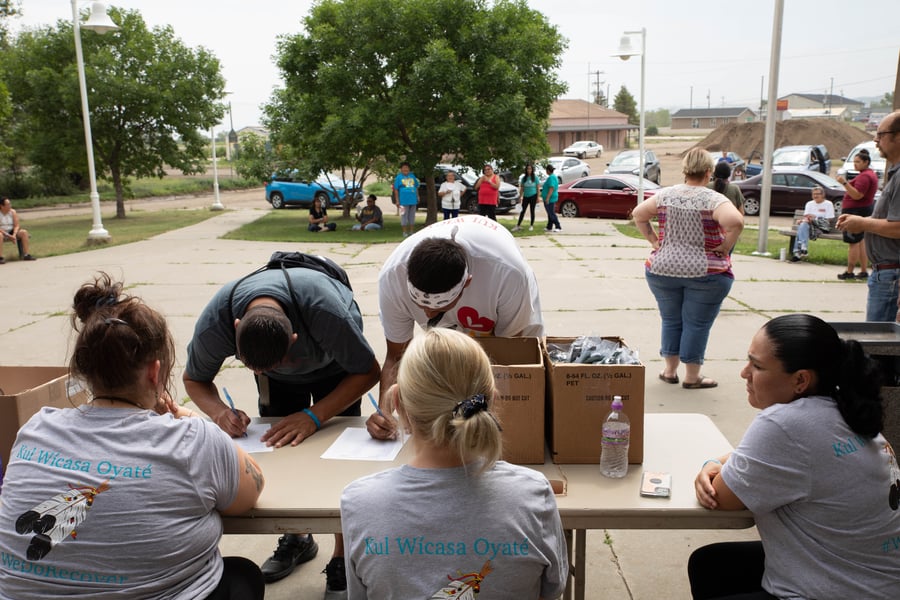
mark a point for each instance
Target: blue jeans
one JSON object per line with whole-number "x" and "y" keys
{"x": 688, "y": 307}
{"x": 882, "y": 302}
{"x": 552, "y": 219}
{"x": 802, "y": 237}
{"x": 369, "y": 227}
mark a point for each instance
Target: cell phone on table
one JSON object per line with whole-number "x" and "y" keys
{"x": 656, "y": 484}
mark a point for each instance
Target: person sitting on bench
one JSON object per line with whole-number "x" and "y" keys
{"x": 818, "y": 217}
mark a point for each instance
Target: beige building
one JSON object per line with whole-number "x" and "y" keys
{"x": 710, "y": 118}
{"x": 824, "y": 102}
{"x": 579, "y": 120}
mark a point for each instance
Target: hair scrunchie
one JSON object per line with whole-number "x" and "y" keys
{"x": 470, "y": 406}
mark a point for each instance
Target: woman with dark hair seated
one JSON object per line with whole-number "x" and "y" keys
{"x": 815, "y": 471}
{"x": 122, "y": 497}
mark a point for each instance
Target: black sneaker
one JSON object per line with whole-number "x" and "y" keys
{"x": 862, "y": 275}
{"x": 847, "y": 275}
{"x": 795, "y": 258}
{"x": 335, "y": 576}
{"x": 28, "y": 257}
{"x": 292, "y": 550}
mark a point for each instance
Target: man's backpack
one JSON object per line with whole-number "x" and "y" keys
{"x": 294, "y": 260}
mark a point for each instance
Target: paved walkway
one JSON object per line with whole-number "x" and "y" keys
{"x": 591, "y": 280}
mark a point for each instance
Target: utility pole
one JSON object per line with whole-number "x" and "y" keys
{"x": 707, "y": 99}
{"x": 692, "y": 98}
{"x": 831, "y": 96}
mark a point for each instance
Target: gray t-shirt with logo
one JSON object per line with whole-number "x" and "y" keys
{"x": 115, "y": 503}
{"x": 498, "y": 534}
{"x": 819, "y": 494}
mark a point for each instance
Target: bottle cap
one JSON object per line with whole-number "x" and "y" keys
{"x": 617, "y": 402}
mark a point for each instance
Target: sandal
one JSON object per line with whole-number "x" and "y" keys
{"x": 673, "y": 379}
{"x": 701, "y": 384}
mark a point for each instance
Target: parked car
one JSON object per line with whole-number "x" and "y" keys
{"x": 584, "y": 149}
{"x": 289, "y": 189}
{"x": 627, "y": 162}
{"x": 752, "y": 169}
{"x": 568, "y": 168}
{"x": 609, "y": 196}
{"x": 878, "y": 163}
{"x": 791, "y": 190}
{"x": 509, "y": 194}
{"x": 801, "y": 158}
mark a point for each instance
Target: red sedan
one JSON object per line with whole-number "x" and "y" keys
{"x": 610, "y": 196}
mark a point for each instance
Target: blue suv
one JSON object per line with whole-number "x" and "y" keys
{"x": 288, "y": 189}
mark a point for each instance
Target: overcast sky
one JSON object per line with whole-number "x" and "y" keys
{"x": 720, "y": 49}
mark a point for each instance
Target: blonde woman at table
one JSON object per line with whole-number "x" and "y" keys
{"x": 689, "y": 270}
{"x": 469, "y": 522}
{"x": 121, "y": 497}
{"x": 819, "y": 478}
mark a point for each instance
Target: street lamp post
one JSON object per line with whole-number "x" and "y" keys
{"x": 100, "y": 22}
{"x": 217, "y": 202}
{"x": 625, "y": 52}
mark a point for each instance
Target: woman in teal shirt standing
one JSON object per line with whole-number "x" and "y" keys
{"x": 528, "y": 191}
{"x": 550, "y": 194}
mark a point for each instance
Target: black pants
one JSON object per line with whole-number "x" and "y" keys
{"x": 488, "y": 210}
{"x": 241, "y": 580}
{"x": 729, "y": 570}
{"x": 528, "y": 202}
{"x": 287, "y": 398}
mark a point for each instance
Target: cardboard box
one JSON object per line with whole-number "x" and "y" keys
{"x": 24, "y": 390}
{"x": 580, "y": 397}
{"x": 518, "y": 365}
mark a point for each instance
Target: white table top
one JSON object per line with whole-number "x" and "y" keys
{"x": 303, "y": 491}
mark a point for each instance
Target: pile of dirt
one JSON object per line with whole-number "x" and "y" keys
{"x": 747, "y": 138}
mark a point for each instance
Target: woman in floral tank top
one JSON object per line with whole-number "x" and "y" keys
{"x": 689, "y": 270}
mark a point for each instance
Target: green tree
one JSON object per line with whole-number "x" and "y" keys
{"x": 625, "y": 104}
{"x": 380, "y": 80}
{"x": 256, "y": 160}
{"x": 658, "y": 118}
{"x": 151, "y": 99}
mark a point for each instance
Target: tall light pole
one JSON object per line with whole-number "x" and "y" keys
{"x": 625, "y": 52}
{"x": 100, "y": 22}
{"x": 217, "y": 202}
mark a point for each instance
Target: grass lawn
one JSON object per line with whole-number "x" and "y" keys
{"x": 66, "y": 235}
{"x": 144, "y": 188}
{"x": 289, "y": 225}
{"x": 821, "y": 252}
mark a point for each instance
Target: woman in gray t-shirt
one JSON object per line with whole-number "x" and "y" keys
{"x": 455, "y": 519}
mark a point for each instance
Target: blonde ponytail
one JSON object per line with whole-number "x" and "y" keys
{"x": 446, "y": 390}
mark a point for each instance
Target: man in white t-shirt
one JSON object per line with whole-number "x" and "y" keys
{"x": 818, "y": 215}
{"x": 465, "y": 274}
{"x": 450, "y": 194}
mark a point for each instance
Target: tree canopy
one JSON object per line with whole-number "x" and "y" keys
{"x": 421, "y": 80}
{"x": 150, "y": 97}
{"x": 624, "y": 103}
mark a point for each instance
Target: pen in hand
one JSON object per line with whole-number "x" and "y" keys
{"x": 231, "y": 404}
{"x": 380, "y": 412}
{"x": 375, "y": 404}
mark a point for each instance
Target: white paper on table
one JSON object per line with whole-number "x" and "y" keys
{"x": 355, "y": 443}
{"x": 251, "y": 443}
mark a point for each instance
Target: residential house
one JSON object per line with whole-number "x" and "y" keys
{"x": 710, "y": 118}
{"x": 579, "y": 120}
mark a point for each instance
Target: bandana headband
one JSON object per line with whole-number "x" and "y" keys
{"x": 437, "y": 300}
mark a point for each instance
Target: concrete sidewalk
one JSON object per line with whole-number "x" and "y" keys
{"x": 591, "y": 280}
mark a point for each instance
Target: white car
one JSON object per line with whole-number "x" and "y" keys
{"x": 584, "y": 149}
{"x": 877, "y": 164}
{"x": 568, "y": 168}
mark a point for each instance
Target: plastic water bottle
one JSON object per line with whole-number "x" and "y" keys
{"x": 614, "y": 442}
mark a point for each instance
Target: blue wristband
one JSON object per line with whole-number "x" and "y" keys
{"x": 314, "y": 418}
{"x": 713, "y": 460}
